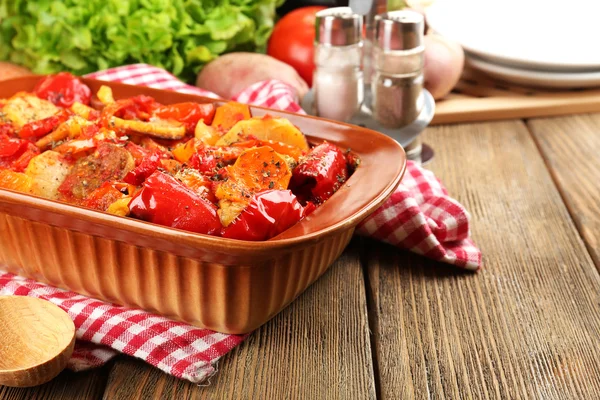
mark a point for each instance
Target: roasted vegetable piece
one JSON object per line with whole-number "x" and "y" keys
{"x": 199, "y": 183}
{"x": 8, "y": 129}
{"x": 63, "y": 89}
{"x": 159, "y": 128}
{"x": 281, "y": 148}
{"x": 139, "y": 174}
{"x": 255, "y": 170}
{"x": 227, "y": 115}
{"x": 120, "y": 207}
{"x": 209, "y": 160}
{"x": 103, "y": 197}
{"x": 320, "y": 174}
{"x": 108, "y": 163}
{"x": 37, "y": 129}
{"x": 11, "y": 147}
{"x": 138, "y": 152}
{"x": 265, "y": 128}
{"x": 166, "y": 201}
{"x": 15, "y": 181}
{"x": 184, "y": 151}
{"x": 23, "y": 108}
{"x": 48, "y": 171}
{"x": 73, "y": 127}
{"x": 21, "y": 162}
{"x": 269, "y": 213}
{"x": 138, "y": 108}
{"x": 84, "y": 111}
{"x": 206, "y": 134}
{"x": 187, "y": 113}
{"x": 105, "y": 95}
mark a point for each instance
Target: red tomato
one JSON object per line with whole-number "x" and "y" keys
{"x": 63, "y": 89}
{"x": 292, "y": 40}
{"x": 187, "y": 113}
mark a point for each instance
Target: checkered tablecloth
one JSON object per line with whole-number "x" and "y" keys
{"x": 420, "y": 216}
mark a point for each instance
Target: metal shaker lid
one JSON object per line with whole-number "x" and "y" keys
{"x": 338, "y": 26}
{"x": 399, "y": 30}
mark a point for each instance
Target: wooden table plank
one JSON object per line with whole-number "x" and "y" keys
{"x": 317, "y": 348}
{"x": 528, "y": 325}
{"x": 571, "y": 147}
{"x": 68, "y": 385}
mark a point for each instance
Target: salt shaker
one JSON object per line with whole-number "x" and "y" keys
{"x": 338, "y": 78}
{"x": 398, "y": 56}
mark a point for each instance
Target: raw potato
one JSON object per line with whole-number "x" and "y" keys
{"x": 9, "y": 71}
{"x": 444, "y": 62}
{"x": 24, "y": 108}
{"x": 47, "y": 171}
{"x": 246, "y": 69}
{"x": 276, "y": 129}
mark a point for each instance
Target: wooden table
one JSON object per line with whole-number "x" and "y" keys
{"x": 383, "y": 323}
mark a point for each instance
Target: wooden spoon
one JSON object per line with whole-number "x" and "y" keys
{"x": 36, "y": 341}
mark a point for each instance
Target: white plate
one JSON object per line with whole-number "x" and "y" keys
{"x": 536, "y": 78}
{"x": 536, "y": 34}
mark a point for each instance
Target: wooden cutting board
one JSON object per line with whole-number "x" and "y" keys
{"x": 478, "y": 97}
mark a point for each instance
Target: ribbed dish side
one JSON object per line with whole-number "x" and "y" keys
{"x": 226, "y": 298}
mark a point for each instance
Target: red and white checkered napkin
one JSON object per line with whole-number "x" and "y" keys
{"x": 420, "y": 216}
{"x": 104, "y": 329}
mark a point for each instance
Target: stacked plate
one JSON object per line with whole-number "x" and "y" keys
{"x": 541, "y": 43}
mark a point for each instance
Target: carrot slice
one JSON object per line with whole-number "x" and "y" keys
{"x": 256, "y": 169}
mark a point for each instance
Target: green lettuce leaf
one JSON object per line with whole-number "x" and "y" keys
{"x": 83, "y": 36}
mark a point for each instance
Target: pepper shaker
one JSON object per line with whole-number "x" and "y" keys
{"x": 338, "y": 78}
{"x": 398, "y": 56}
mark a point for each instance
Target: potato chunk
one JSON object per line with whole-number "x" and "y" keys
{"x": 22, "y": 109}
{"x": 47, "y": 171}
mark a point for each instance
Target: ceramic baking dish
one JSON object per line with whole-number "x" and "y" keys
{"x": 227, "y": 285}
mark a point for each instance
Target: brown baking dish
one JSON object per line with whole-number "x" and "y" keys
{"x": 226, "y": 285}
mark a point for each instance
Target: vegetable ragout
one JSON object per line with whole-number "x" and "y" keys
{"x": 197, "y": 167}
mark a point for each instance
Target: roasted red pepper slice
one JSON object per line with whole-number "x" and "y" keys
{"x": 6, "y": 129}
{"x": 146, "y": 168}
{"x": 269, "y": 213}
{"x": 187, "y": 113}
{"x": 103, "y": 197}
{"x": 165, "y": 201}
{"x": 37, "y": 129}
{"x": 10, "y": 146}
{"x": 320, "y": 174}
{"x": 63, "y": 89}
{"x": 139, "y": 153}
{"x": 205, "y": 163}
{"x": 16, "y": 153}
{"x": 21, "y": 163}
{"x": 139, "y": 107}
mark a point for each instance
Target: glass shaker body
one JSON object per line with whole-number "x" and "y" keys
{"x": 397, "y": 86}
{"x": 338, "y": 82}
